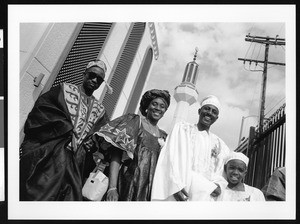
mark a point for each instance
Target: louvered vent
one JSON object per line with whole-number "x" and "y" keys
{"x": 85, "y": 49}
{"x": 123, "y": 67}
{"x": 136, "y": 94}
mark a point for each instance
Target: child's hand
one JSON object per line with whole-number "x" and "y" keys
{"x": 216, "y": 192}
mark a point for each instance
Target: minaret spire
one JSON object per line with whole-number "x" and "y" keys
{"x": 186, "y": 93}
{"x": 195, "y": 55}
{"x": 191, "y": 71}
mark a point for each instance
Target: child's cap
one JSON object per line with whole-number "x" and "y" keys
{"x": 237, "y": 155}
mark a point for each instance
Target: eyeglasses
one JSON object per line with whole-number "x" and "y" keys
{"x": 92, "y": 75}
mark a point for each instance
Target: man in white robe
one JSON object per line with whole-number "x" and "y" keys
{"x": 190, "y": 165}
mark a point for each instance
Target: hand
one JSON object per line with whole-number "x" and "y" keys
{"x": 112, "y": 195}
{"x": 101, "y": 166}
{"x": 89, "y": 145}
{"x": 217, "y": 191}
{"x": 181, "y": 195}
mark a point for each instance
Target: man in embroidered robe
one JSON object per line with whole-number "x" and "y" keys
{"x": 190, "y": 166}
{"x": 54, "y": 150}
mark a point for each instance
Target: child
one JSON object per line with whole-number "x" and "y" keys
{"x": 235, "y": 169}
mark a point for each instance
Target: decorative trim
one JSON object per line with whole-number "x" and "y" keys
{"x": 154, "y": 39}
{"x": 83, "y": 118}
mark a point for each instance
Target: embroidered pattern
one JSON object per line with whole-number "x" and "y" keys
{"x": 121, "y": 135}
{"x": 118, "y": 137}
{"x": 72, "y": 95}
{"x": 215, "y": 151}
{"x": 78, "y": 107}
{"x": 129, "y": 145}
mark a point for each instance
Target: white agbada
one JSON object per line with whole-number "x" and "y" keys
{"x": 250, "y": 194}
{"x": 186, "y": 161}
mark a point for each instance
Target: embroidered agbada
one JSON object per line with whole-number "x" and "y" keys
{"x": 250, "y": 194}
{"x": 190, "y": 159}
{"x": 52, "y": 159}
{"x": 140, "y": 153}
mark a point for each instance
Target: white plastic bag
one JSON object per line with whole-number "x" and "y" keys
{"x": 95, "y": 186}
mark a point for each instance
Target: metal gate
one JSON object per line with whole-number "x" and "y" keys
{"x": 266, "y": 151}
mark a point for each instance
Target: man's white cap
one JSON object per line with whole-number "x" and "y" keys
{"x": 237, "y": 155}
{"x": 212, "y": 100}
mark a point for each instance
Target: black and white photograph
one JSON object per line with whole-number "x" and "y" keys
{"x": 158, "y": 112}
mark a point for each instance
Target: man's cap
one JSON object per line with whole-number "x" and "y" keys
{"x": 212, "y": 100}
{"x": 97, "y": 63}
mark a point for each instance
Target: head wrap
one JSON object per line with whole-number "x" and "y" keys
{"x": 237, "y": 155}
{"x": 99, "y": 64}
{"x": 212, "y": 100}
{"x": 151, "y": 95}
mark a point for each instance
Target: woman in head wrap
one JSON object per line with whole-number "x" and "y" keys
{"x": 134, "y": 145}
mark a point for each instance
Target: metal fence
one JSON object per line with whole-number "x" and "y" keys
{"x": 266, "y": 151}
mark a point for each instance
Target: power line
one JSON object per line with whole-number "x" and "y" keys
{"x": 254, "y": 93}
{"x": 258, "y": 52}
{"x": 253, "y": 50}
{"x": 267, "y": 41}
{"x": 248, "y": 50}
{"x": 260, "y": 61}
{"x": 275, "y": 105}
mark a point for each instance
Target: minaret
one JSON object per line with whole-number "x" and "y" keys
{"x": 186, "y": 93}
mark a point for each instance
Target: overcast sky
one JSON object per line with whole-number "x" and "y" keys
{"x": 221, "y": 73}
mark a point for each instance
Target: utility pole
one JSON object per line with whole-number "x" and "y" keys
{"x": 267, "y": 41}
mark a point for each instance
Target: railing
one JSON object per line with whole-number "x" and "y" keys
{"x": 266, "y": 151}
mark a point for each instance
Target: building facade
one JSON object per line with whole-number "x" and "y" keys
{"x": 51, "y": 53}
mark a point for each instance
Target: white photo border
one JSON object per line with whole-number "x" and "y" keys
{"x": 148, "y": 210}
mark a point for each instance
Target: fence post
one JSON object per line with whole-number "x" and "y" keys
{"x": 249, "y": 153}
{"x": 250, "y": 141}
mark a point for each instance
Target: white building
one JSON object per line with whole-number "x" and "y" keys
{"x": 51, "y": 53}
